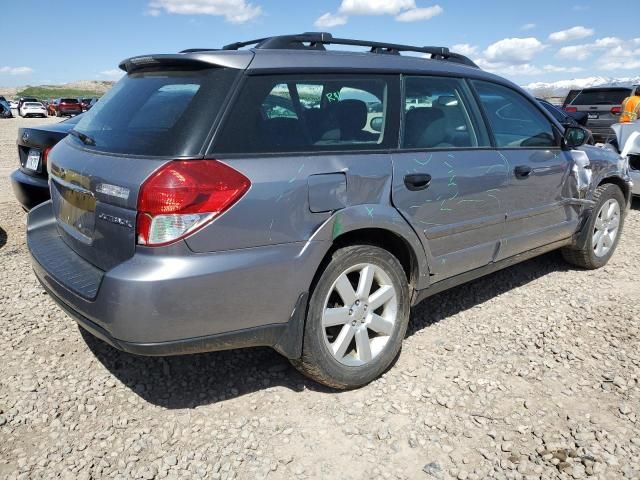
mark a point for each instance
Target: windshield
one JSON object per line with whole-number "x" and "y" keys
{"x": 158, "y": 112}
{"x": 601, "y": 96}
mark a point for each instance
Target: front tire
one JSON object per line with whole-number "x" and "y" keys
{"x": 604, "y": 227}
{"x": 357, "y": 318}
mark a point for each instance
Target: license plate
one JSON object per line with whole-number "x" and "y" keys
{"x": 33, "y": 160}
{"x": 594, "y": 116}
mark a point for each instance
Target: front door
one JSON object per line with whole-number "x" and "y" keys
{"x": 448, "y": 181}
{"x": 540, "y": 210}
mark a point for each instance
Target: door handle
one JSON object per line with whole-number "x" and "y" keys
{"x": 417, "y": 181}
{"x": 522, "y": 171}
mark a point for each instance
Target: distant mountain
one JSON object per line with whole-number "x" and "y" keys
{"x": 562, "y": 87}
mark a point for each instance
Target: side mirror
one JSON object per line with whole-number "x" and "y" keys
{"x": 376, "y": 123}
{"x": 575, "y": 137}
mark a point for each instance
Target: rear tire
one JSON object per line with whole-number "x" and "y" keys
{"x": 604, "y": 227}
{"x": 357, "y": 318}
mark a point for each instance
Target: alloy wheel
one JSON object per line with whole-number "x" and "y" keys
{"x": 606, "y": 227}
{"x": 359, "y": 314}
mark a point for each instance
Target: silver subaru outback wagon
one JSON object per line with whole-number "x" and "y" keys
{"x": 278, "y": 193}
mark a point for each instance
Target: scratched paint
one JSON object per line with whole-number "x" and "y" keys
{"x": 369, "y": 211}
{"x": 426, "y": 162}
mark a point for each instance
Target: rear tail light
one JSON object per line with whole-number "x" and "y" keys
{"x": 570, "y": 109}
{"x": 183, "y": 196}
{"x": 616, "y": 110}
{"x": 45, "y": 157}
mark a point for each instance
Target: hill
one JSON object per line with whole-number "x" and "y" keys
{"x": 84, "y": 88}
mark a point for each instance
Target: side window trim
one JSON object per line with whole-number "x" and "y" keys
{"x": 556, "y": 134}
{"x": 388, "y": 145}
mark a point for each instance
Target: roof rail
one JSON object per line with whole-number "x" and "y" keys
{"x": 318, "y": 40}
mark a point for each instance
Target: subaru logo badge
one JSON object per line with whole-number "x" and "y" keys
{"x": 25, "y": 137}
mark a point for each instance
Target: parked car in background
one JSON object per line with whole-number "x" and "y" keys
{"x": 567, "y": 119}
{"x": 52, "y": 106}
{"x": 22, "y": 100}
{"x": 5, "y": 109}
{"x": 68, "y": 106}
{"x": 177, "y": 203}
{"x": 33, "y": 109}
{"x": 570, "y": 96}
{"x": 87, "y": 103}
{"x": 603, "y": 106}
{"x": 13, "y": 104}
{"x": 30, "y": 182}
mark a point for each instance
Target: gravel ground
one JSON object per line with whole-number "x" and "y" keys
{"x": 530, "y": 373}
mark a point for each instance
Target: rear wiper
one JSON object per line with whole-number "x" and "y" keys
{"x": 86, "y": 139}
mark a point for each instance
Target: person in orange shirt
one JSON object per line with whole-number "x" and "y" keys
{"x": 631, "y": 107}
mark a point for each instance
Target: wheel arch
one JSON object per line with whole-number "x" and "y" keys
{"x": 620, "y": 183}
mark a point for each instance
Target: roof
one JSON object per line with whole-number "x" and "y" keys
{"x": 307, "y": 53}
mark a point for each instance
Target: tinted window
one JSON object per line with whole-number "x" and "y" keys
{"x": 601, "y": 96}
{"x": 69, "y": 100}
{"x": 157, "y": 113}
{"x": 436, "y": 114}
{"x": 557, "y": 114}
{"x": 314, "y": 113}
{"x": 514, "y": 120}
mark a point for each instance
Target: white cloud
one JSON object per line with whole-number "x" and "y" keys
{"x": 508, "y": 69}
{"x": 375, "y": 7}
{"x": 329, "y": 20}
{"x": 574, "y": 33}
{"x": 234, "y": 11}
{"x": 575, "y": 52}
{"x": 114, "y": 72}
{"x": 561, "y": 69}
{"x": 607, "y": 42}
{"x": 417, "y": 14}
{"x": 528, "y": 26}
{"x": 465, "y": 49}
{"x": 16, "y": 70}
{"x": 402, "y": 10}
{"x": 513, "y": 50}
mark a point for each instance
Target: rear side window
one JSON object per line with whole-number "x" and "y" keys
{"x": 436, "y": 115}
{"x": 315, "y": 113}
{"x": 514, "y": 120}
{"x": 601, "y": 96}
{"x": 157, "y": 112}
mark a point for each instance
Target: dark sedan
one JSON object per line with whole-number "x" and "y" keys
{"x": 30, "y": 181}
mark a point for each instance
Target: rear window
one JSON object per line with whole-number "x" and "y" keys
{"x": 601, "y": 96}
{"x": 69, "y": 100}
{"x": 157, "y": 113}
{"x": 33, "y": 104}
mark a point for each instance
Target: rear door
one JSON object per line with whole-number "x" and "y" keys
{"x": 447, "y": 180}
{"x": 538, "y": 204}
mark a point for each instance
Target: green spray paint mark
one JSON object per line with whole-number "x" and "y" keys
{"x": 337, "y": 227}
{"x": 369, "y": 211}
{"x": 426, "y": 162}
{"x": 448, "y": 164}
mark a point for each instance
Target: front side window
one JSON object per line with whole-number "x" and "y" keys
{"x": 436, "y": 115}
{"x": 515, "y": 122}
{"x": 314, "y": 113}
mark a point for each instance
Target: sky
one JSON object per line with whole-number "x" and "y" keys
{"x": 49, "y": 42}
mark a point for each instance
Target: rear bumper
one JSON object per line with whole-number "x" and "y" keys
{"x": 30, "y": 191}
{"x": 181, "y": 302}
{"x": 71, "y": 112}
